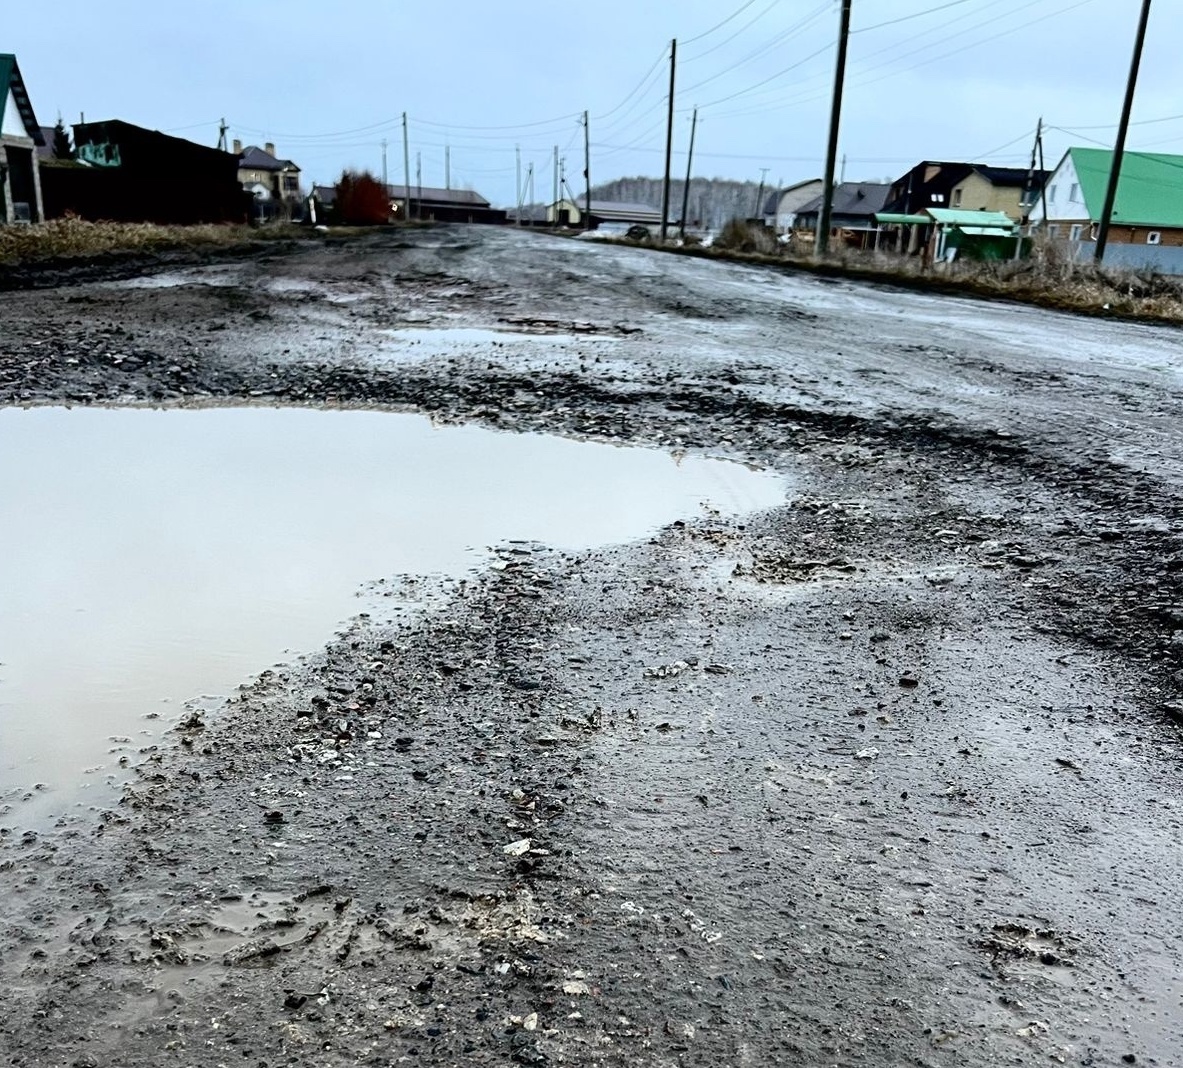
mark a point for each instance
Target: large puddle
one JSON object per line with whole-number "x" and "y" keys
{"x": 151, "y": 558}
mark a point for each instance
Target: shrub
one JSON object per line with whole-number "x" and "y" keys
{"x": 739, "y": 236}
{"x": 361, "y": 200}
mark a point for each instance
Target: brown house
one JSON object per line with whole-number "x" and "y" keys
{"x": 1002, "y": 189}
{"x": 20, "y": 137}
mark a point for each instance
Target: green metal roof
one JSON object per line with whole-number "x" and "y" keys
{"x": 10, "y": 78}
{"x": 892, "y": 218}
{"x": 1149, "y": 192}
{"x": 987, "y": 220}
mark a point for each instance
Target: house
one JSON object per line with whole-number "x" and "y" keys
{"x": 782, "y": 205}
{"x": 432, "y": 204}
{"x": 1007, "y": 189}
{"x": 132, "y": 174}
{"x": 274, "y": 183}
{"x": 929, "y": 184}
{"x": 20, "y": 137}
{"x": 1148, "y": 209}
{"x": 852, "y": 214}
{"x": 571, "y": 213}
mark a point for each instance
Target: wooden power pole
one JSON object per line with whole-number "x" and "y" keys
{"x": 689, "y": 164}
{"x": 823, "y": 222}
{"x": 1122, "y": 130}
{"x": 669, "y": 144}
{"x": 587, "y": 222}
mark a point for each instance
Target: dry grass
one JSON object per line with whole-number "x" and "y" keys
{"x": 70, "y": 237}
{"x": 1046, "y": 279}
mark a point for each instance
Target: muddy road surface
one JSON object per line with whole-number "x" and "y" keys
{"x": 885, "y": 774}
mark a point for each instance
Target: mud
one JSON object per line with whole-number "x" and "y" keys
{"x": 888, "y": 775}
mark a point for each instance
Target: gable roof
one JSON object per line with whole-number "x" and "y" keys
{"x": 10, "y": 78}
{"x": 257, "y": 159}
{"x": 1149, "y": 191}
{"x": 852, "y": 198}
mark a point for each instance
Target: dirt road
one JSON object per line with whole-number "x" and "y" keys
{"x": 887, "y": 775}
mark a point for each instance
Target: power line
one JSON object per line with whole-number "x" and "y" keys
{"x": 906, "y": 18}
{"x": 764, "y": 81}
{"x": 784, "y": 35}
{"x": 648, "y": 74}
{"x": 719, "y": 25}
{"x": 727, "y": 40}
{"x": 513, "y": 126}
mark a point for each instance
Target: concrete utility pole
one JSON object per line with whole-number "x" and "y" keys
{"x": 447, "y": 166}
{"x": 587, "y": 172}
{"x": 222, "y": 128}
{"x": 517, "y": 149}
{"x": 1122, "y": 130}
{"x": 689, "y": 163}
{"x": 669, "y": 144}
{"x": 406, "y": 173}
{"x": 385, "y": 180}
{"x": 823, "y": 222}
{"x": 419, "y": 181}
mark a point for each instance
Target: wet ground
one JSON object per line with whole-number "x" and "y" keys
{"x": 887, "y": 774}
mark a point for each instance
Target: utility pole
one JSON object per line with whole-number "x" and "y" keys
{"x": 760, "y": 193}
{"x": 587, "y": 172}
{"x": 689, "y": 163}
{"x": 406, "y": 173}
{"x": 385, "y": 180}
{"x": 842, "y": 173}
{"x": 222, "y": 128}
{"x": 517, "y": 149}
{"x": 419, "y": 181}
{"x": 447, "y": 166}
{"x": 669, "y": 144}
{"x": 530, "y": 186}
{"x": 555, "y": 201}
{"x": 1043, "y": 187}
{"x": 1122, "y": 130}
{"x": 823, "y": 223}
{"x": 1028, "y": 189}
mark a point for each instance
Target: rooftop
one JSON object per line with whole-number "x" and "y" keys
{"x": 467, "y": 197}
{"x": 1149, "y": 192}
{"x": 852, "y": 198}
{"x": 11, "y": 81}
{"x": 258, "y": 159}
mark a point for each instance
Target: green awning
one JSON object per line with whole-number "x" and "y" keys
{"x": 892, "y": 219}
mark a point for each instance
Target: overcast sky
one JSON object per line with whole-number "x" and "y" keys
{"x": 951, "y": 79}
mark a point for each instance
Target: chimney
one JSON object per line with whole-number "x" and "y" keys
{"x": 237, "y": 147}
{"x": 270, "y": 148}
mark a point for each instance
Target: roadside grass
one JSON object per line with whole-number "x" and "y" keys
{"x": 73, "y": 238}
{"x": 1045, "y": 279}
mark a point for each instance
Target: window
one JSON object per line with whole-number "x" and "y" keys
{"x": 938, "y": 198}
{"x": 1154, "y": 237}
{"x": 1076, "y": 231}
{"x": 1073, "y": 190}
{"x": 1053, "y": 230}
{"x": 1051, "y": 192}
{"x": 956, "y": 198}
